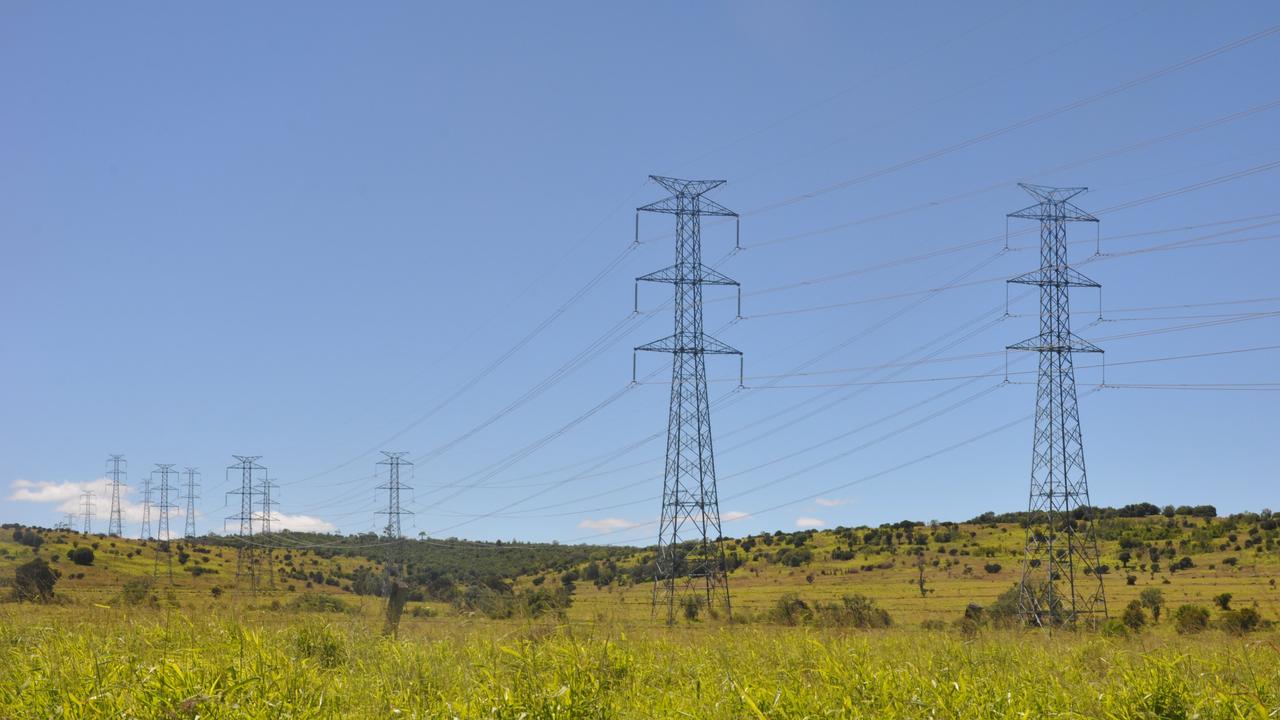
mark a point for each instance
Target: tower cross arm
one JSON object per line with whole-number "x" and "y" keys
{"x": 698, "y": 203}
{"x": 1045, "y": 343}
{"x": 1063, "y": 211}
{"x": 704, "y": 344}
{"x": 704, "y": 276}
{"x": 1065, "y": 277}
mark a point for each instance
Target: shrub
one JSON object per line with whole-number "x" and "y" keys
{"x": 992, "y": 568}
{"x": 790, "y": 610}
{"x": 1190, "y": 619}
{"x": 1134, "y": 617}
{"x": 34, "y": 581}
{"x": 316, "y": 602}
{"x": 690, "y": 606}
{"x": 81, "y": 556}
{"x": 857, "y": 611}
{"x": 320, "y": 643}
{"x": 135, "y": 592}
{"x": 1240, "y": 621}
{"x": 1223, "y": 601}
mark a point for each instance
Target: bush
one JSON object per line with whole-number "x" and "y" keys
{"x": 1223, "y": 601}
{"x": 853, "y": 611}
{"x": 1134, "y": 617}
{"x": 80, "y": 556}
{"x": 1240, "y": 621}
{"x": 790, "y": 610}
{"x": 320, "y": 643}
{"x": 316, "y": 602}
{"x": 34, "y": 581}
{"x": 1190, "y": 619}
{"x": 992, "y": 568}
{"x": 135, "y": 592}
{"x": 691, "y": 605}
{"x": 30, "y": 538}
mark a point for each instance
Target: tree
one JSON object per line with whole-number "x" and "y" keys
{"x": 1134, "y": 617}
{"x": 1153, "y": 600}
{"x": 34, "y": 580}
{"x": 1223, "y": 601}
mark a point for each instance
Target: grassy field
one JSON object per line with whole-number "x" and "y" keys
{"x": 312, "y": 647}
{"x": 93, "y": 662}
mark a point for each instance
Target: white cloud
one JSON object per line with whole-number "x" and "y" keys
{"x": 45, "y": 491}
{"x": 832, "y": 502}
{"x": 733, "y": 515}
{"x": 300, "y": 523}
{"x": 810, "y": 522}
{"x": 65, "y": 497}
{"x": 608, "y": 524}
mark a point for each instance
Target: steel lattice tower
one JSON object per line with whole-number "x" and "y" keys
{"x": 117, "y": 469}
{"x": 166, "y": 505}
{"x": 394, "y": 462}
{"x": 690, "y": 559}
{"x": 146, "y": 508}
{"x": 87, "y": 511}
{"x": 268, "y": 506}
{"x": 246, "y": 552}
{"x": 189, "y": 529}
{"x": 1060, "y": 583}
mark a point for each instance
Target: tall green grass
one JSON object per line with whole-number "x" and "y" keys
{"x": 88, "y": 662}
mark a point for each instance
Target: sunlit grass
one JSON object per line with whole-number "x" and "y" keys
{"x": 91, "y": 662}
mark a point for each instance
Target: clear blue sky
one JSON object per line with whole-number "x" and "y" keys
{"x": 293, "y": 229}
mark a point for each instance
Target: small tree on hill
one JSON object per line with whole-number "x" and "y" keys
{"x": 1223, "y": 601}
{"x": 1153, "y": 600}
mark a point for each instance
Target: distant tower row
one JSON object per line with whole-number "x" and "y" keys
{"x": 169, "y": 495}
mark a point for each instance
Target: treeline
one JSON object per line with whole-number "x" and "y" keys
{"x": 469, "y": 574}
{"x": 1136, "y": 510}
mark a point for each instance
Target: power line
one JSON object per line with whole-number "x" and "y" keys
{"x": 1025, "y": 122}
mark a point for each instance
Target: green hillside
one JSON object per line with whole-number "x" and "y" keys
{"x": 916, "y": 571}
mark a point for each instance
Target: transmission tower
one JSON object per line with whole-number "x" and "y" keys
{"x": 394, "y": 462}
{"x": 1060, "y": 583}
{"x": 189, "y": 531}
{"x": 265, "y": 486}
{"x": 165, "y": 507}
{"x": 394, "y": 587}
{"x": 690, "y": 560}
{"x": 146, "y": 507}
{"x": 69, "y": 521}
{"x": 248, "y": 470}
{"x": 117, "y": 470}
{"x": 86, "y": 511}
